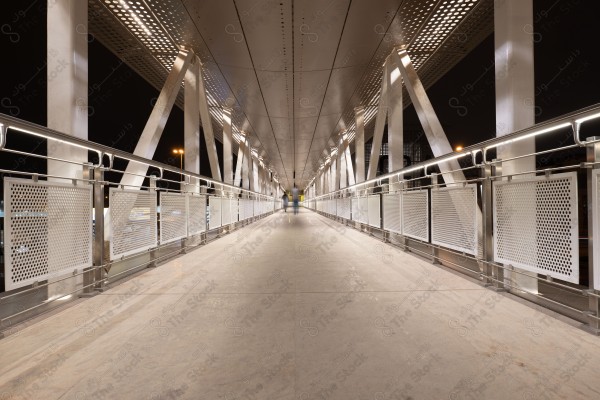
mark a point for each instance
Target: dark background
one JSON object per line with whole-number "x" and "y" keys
{"x": 120, "y": 101}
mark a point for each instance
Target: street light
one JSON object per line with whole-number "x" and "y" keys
{"x": 180, "y": 152}
{"x": 458, "y": 148}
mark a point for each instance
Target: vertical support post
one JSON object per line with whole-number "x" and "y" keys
{"x": 487, "y": 228}
{"x": 359, "y": 143}
{"x": 67, "y": 75}
{"x": 395, "y": 120}
{"x": 237, "y": 178}
{"x": 593, "y": 156}
{"x": 515, "y": 92}
{"x": 247, "y": 167}
{"x": 191, "y": 123}
{"x": 343, "y": 167}
{"x": 153, "y": 252}
{"x": 435, "y": 253}
{"x": 99, "y": 254}
{"x": 227, "y": 145}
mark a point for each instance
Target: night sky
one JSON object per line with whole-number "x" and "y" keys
{"x": 566, "y": 78}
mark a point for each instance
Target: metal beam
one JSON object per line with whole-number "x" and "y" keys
{"x": 395, "y": 118}
{"x": 209, "y": 136}
{"x": 382, "y": 111}
{"x": 431, "y": 125}
{"x": 148, "y": 142}
{"x": 191, "y": 122}
{"x": 227, "y": 145}
{"x": 237, "y": 178}
{"x": 359, "y": 142}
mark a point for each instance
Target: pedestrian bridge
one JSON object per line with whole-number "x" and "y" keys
{"x": 299, "y": 307}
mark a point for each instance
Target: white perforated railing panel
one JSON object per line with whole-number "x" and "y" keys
{"x": 196, "y": 214}
{"x": 225, "y": 211}
{"x": 363, "y": 210}
{"x": 343, "y": 207}
{"x": 234, "y": 209}
{"x": 214, "y": 204}
{"x": 173, "y": 217}
{"x": 48, "y": 230}
{"x": 536, "y": 225}
{"x": 374, "y": 214}
{"x": 596, "y": 228}
{"x": 244, "y": 209}
{"x": 415, "y": 216}
{"x": 133, "y": 222}
{"x": 355, "y": 209}
{"x": 454, "y": 218}
{"x": 391, "y": 212}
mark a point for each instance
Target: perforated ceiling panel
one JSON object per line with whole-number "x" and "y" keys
{"x": 293, "y": 75}
{"x": 133, "y": 222}
{"x": 454, "y": 218}
{"x": 536, "y": 225}
{"x": 48, "y": 230}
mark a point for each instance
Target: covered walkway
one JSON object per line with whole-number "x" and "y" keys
{"x": 300, "y": 307}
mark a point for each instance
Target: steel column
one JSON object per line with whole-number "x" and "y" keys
{"x": 515, "y": 92}
{"x": 191, "y": 122}
{"x": 593, "y": 156}
{"x": 209, "y": 136}
{"x": 237, "y": 178}
{"x": 227, "y": 144}
{"x": 67, "y": 77}
{"x": 382, "y": 110}
{"x": 359, "y": 142}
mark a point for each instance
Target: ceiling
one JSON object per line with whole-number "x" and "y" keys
{"x": 292, "y": 70}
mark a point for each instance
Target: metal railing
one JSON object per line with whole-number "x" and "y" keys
{"x": 534, "y": 233}
{"x": 68, "y": 236}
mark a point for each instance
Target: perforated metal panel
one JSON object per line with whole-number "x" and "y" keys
{"x": 215, "y": 212}
{"x": 133, "y": 222}
{"x": 415, "y": 214}
{"x": 343, "y": 207}
{"x": 225, "y": 211}
{"x": 196, "y": 214}
{"x": 48, "y": 230}
{"x": 536, "y": 225}
{"x": 392, "y": 206}
{"x": 355, "y": 209}
{"x": 454, "y": 218}
{"x": 234, "y": 210}
{"x": 173, "y": 217}
{"x": 363, "y": 210}
{"x": 374, "y": 211}
{"x": 596, "y": 227}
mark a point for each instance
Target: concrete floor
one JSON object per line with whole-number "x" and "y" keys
{"x": 300, "y": 308}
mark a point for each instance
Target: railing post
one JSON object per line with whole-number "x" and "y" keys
{"x": 592, "y": 156}
{"x": 487, "y": 228}
{"x": 435, "y": 252}
{"x": 99, "y": 245}
{"x": 153, "y": 252}
{"x": 494, "y": 275}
